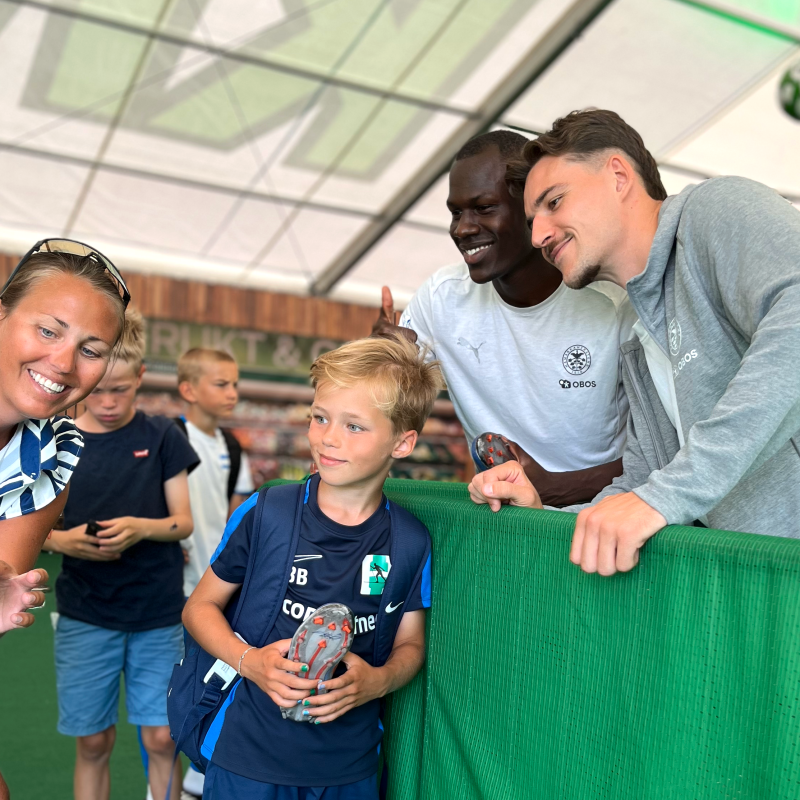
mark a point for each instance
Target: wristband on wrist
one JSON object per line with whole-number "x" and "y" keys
{"x": 241, "y": 658}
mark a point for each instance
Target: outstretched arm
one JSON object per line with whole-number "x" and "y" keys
{"x": 21, "y": 540}
{"x": 567, "y": 488}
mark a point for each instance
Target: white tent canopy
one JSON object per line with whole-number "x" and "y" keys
{"x": 297, "y": 145}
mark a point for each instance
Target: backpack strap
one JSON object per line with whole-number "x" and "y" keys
{"x": 278, "y": 512}
{"x": 410, "y": 552}
{"x": 235, "y": 453}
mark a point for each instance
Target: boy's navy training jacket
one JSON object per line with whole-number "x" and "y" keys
{"x": 197, "y": 709}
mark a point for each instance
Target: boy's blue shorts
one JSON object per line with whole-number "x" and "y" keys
{"x": 89, "y": 663}
{"x": 223, "y": 785}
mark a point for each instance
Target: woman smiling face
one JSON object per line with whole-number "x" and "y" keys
{"x": 55, "y": 345}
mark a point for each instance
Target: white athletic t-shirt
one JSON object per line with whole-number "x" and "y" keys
{"x": 548, "y": 377}
{"x": 208, "y": 493}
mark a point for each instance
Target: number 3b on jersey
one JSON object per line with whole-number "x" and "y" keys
{"x": 299, "y": 575}
{"x": 374, "y": 572}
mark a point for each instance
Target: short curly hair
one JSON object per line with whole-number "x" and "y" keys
{"x": 581, "y": 136}
{"x": 509, "y": 144}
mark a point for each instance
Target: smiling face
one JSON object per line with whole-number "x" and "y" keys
{"x": 54, "y": 347}
{"x": 352, "y": 442}
{"x": 575, "y": 215}
{"x": 488, "y": 225}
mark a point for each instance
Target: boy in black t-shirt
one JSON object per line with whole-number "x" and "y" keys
{"x": 120, "y": 591}
{"x": 372, "y": 398}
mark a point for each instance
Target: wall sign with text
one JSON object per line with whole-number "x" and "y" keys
{"x": 259, "y": 352}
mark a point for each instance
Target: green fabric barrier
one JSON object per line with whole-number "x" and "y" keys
{"x": 680, "y": 679}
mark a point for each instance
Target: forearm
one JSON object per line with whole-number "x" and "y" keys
{"x": 568, "y": 488}
{"x": 168, "y": 529}
{"x": 755, "y": 417}
{"x": 55, "y": 542}
{"x": 207, "y": 624}
{"x": 23, "y": 537}
{"x": 403, "y": 664}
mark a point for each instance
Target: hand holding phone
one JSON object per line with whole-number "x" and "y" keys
{"x": 92, "y": 528}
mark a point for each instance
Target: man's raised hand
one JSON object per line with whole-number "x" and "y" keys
{"x": 386, "y": 326}
{"x": 504, "y": 483}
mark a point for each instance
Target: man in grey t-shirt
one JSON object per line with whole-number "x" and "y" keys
{"x": 713, "y": 382}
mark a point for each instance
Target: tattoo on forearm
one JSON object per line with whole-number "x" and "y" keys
{"x": 174, "y": 526}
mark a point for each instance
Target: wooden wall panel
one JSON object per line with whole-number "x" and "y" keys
{"x": 161, "y": 297}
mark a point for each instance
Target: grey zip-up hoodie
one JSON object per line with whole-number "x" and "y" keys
{"x": 720, "y": 295}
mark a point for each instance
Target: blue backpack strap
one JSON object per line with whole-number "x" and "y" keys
{"x": 410, "y": 552}
{"x": 278, "y": 511}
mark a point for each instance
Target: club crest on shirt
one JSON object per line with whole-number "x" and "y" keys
{"x": 374, "y": 572}
{"x": 674, "y": 334}
{"x": 141, "y": 453}
{"x": 576, "y": 359}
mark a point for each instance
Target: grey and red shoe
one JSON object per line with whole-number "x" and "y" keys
{"x": 321, "y": 642}
{"x": 490, "y": 449}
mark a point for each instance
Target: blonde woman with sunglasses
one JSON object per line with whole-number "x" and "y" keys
{"x": 62, "y": 312}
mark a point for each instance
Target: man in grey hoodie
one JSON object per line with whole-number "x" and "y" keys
{"x": 713, "y": 378}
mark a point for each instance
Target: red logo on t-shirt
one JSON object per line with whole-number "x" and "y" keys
{"x": 141, "y": 453}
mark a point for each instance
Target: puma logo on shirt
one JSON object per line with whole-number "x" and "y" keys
{"x": 462, "y": 342}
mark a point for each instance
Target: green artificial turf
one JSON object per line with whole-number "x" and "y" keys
{"x": 37, "y": 761}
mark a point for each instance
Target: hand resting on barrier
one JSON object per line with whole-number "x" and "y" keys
{"x": 608, "y": 536}
{"x": 504, "y": 484}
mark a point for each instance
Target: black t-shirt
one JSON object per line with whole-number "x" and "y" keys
{"x": 334, "y": 564}
{"x": 122, "y": 474}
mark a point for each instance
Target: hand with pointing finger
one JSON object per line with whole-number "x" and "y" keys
{"x": 387, "y": 325}
{"x": 504, "y": 484}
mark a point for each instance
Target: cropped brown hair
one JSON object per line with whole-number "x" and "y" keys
{"x": 190, "y": 364}
{"x": 580, "y": 136}
{"x": 404, "y": 385}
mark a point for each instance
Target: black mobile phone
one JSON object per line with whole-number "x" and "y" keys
{"x": 91, "y": 528}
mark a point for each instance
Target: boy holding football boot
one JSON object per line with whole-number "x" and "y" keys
{"x": 288, "y": 551}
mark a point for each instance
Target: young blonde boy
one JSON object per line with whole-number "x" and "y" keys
{"x": 208, "y": 383}
{"x": 371, "y": 400}
{"x": 120, "y": 593}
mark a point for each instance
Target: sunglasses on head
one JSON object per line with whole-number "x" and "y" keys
{"x": 71, "y": 247}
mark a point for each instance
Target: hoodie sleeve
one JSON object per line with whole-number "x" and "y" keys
{"x": 744, "y": 241}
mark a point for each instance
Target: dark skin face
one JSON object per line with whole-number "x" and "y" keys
{"x": 486, "y": 217}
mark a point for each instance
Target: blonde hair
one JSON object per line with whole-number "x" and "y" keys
{"x": 404, "y": 386}
{"x": 131, "y": 345}
{"x": 43, "y": 265}
{"x": 191, "y": 363}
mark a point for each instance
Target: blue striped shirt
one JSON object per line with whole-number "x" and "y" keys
{"x": 36, "y": 465}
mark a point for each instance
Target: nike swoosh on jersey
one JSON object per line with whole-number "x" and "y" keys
{"x": 390, "y": 607}
{"x": 305, "y": 558}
